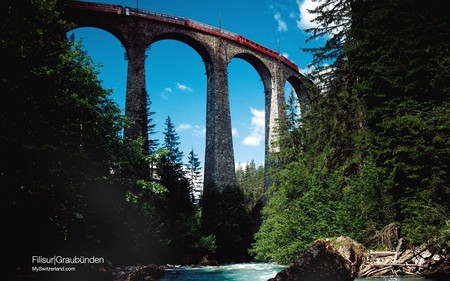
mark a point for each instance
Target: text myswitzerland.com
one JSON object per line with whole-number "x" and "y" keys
{"x": 52, "y": 268}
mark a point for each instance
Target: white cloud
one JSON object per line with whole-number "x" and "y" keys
{"x": 257, "y": 128}
{"x": 184, "y": 126}
{"x": 164, "y": 93}
{"x": 234, "y": 132}
{"x": 258, "y": 118}
{"x": 281, "y": 23}
{"x": 286, "y": 55}
{"x": 184, "y": 88}
{"x": 292, "y": 15}
{"x": 307, "y": 70}
{"x": 252, "y": 140}
{"x": 194, "y": 130}
{"x": 198, "y": 131}
{"x": 306, "y": 18}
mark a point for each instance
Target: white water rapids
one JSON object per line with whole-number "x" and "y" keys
{"x": 241, "y": 272}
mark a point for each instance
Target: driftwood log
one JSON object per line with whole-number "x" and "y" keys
{"x": 417, "y": 261}
{"x": 342, "y": 259}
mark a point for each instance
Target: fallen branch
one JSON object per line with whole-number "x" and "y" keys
{"x": 395, "y": 264}
{"x": 382, "y": 254}
{"x": 379, "y": 271}
{"x": 398, "y": 248}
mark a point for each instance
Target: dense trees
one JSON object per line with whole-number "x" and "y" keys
{"x": 406, "y": 90}
{"x": 251, "y": 180}
{"x": 373, "y": 147}
{"x": 59, "y": 136}
{"x": 226, "y": 218}
{"x": 71, "y": 184}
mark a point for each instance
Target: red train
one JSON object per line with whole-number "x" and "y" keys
{"x": 129, "y": 11}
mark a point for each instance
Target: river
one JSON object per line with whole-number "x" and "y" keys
{"x": 240, "y": 272}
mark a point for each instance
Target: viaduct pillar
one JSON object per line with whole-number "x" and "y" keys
{"x": 136, "y": 96}
{"x": 219, "y": 157}
{"x": 275, "y": 111}
{"x": 275, "y": 101}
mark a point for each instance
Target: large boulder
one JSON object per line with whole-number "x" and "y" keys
{"x": 336, "y": 259}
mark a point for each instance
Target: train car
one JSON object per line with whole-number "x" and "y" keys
{"x": 93, "y": 6}
{"x": 211, "y": 29}
{"x": 260, "y": 48}
{"x": 289, "y": 63}
{"x": 154, "y": 15}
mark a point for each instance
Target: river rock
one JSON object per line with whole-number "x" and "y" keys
{"x": 207, "y": 261}
{"x": 440, "y": 269}
{"x": 326, "y": 260}
{"x": 138, "y": 273}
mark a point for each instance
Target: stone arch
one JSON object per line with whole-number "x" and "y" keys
{"x": 104, "y": 27}
{"x": 259, "y": 66}
{"x": 195, "y": 44}
{"x": 258, "y": 75}
{"x": 300, "y": 85}
{"x": 271, "y": 74}
{"x": 136, "y": 34}
{"x": 256, "y": 62}
{"x": 171, "y": 60}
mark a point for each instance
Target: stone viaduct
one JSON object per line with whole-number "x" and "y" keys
{"x": 137, "y": 34}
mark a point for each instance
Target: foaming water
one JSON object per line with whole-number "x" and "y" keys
{"x": 242, "y": 272}
{"x": 235, "y": 272}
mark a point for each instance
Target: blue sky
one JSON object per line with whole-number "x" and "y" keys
{"x": 175, "y": 74}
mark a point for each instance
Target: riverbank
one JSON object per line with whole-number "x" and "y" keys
{"x": 417, "y": 261}
{"x": 415, "y": 264}
{"x": 343, "y": 259}
{"x": 245, "y": 272}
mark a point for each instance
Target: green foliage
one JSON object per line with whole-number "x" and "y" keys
{"x": 74, "y": 185}
{"x": 152, "y": 143}
{"x": 193, "y": 172}
{"x": 225, "y": 216}
{"x": 60, "y": 137}
{"x": 171, "y": 143}
{"x": 374, "y": 143}
{"x": 407, "y": 109}
{"x": 251, "y": 181}
{"x": 301, "y": 208}
{"x": 207, "y": 243}
{"x": 359, "y": 214}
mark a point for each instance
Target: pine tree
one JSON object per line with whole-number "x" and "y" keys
{"x": 293, "y": 123}
{"x": 319, "y": 159}
{"x": 152, "y": 143}
{"x": 402, "y": 64}
{"x": 178, "y": 209}
{"x": 375, "y": 140}
{"x": 171, "y": 143}
{"x": 194, "y": 171}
